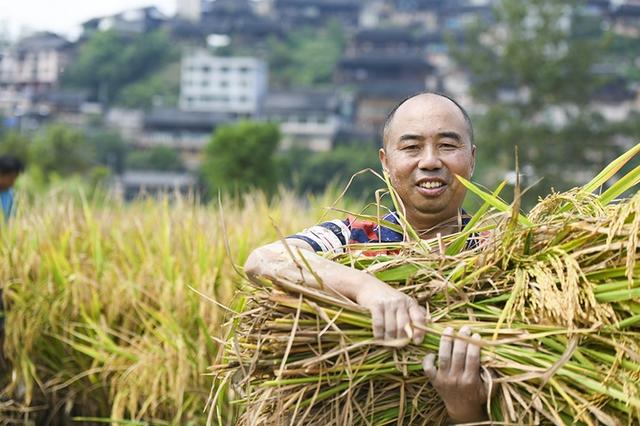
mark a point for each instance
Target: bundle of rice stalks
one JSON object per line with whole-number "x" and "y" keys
{"x": 555, "y": 296}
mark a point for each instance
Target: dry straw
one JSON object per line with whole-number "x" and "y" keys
{"x": 554, "y": 294}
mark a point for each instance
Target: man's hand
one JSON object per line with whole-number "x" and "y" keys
{"x": 457, "y": 378}
{"x": 391, "y": 312}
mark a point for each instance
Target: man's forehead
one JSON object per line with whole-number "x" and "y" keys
{"x": 429, "y": 112}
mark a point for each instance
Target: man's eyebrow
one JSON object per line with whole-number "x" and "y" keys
{"x": 450, "y": 135}
{"x": 410, "y": 137}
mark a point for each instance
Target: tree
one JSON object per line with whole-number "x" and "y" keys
{"x": 109, "y": 61}
{"x": 314, "y": 172}
{"x": 544, "y": 55}
{"x": 15, "y": 144}
{"x": 240, "y": 157}
{"x": 157, "y": 158}
{"x": 307, "y": 57}
{"x": 110, "y": 150}
{"x": 62, "y": 151}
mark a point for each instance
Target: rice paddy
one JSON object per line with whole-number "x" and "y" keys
{"x": 110, "y": 313}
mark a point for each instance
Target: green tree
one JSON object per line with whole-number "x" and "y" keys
{"x": 61, "y": 151}
{"x": 157, "y": 158}
{"x": 110, "y": 150}
{"x": 15, "y": 144}
{"x": 109, "y": 61}
{"x": 240, "y": 157}
{"x": 314, "y": 172}
{"x": 307, "y": 57}
{"x": 544, "y": 53}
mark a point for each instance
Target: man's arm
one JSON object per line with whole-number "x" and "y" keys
{"x": 390, "y": 309}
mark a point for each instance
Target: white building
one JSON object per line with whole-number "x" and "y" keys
{"x": 191, "y": 10}
{"x": 307, "y": 118}
{"x": 235, "y": 85}
{"x": 32, "y": 66}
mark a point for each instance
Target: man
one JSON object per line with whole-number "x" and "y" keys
{"x": 427, "y": 140}
{"x": 10, "y": 168}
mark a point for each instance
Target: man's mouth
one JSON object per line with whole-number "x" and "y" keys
{"x": 431, "y": 187}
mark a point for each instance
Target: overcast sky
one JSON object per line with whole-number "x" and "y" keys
{"x": 65, "y": 16}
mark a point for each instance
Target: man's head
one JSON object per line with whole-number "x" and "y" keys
{"x": 10, "y": 168}
{"x": 428, "y": 139}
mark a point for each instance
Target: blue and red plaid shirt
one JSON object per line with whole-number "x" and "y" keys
{"x": 335, "y": 235}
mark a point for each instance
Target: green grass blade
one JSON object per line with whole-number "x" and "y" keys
{"x": 611, "y": 169}
{"x": 459, "y": 243}
{"x": 495, "y": 202}
{"x": 627, "y": 182}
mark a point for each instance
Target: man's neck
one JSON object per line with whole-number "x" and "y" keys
{"x": 430, "y": 227}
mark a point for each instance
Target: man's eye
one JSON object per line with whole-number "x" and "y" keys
{"x": 449, "y": 146}
{"x": 409, "y": 147}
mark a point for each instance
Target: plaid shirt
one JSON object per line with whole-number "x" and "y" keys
{"x": 335, "y": 235}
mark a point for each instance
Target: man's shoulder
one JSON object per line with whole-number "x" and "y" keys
{"x": 335, "y": 235}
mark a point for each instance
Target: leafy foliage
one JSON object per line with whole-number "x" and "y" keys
{"x": 109, "y": 61}
{"x": 62, "y": 151}
{"x": 314, "y": 172}
{"x": 157, "y": 158}
{"x": 307, "y": 57}
{"x": 536, "y": 72}
{"x": 240, "y": 157}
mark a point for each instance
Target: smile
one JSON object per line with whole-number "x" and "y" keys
{"x": 430, "y": 185}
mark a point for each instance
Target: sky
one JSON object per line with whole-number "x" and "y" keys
{"x": 65, "y": 16}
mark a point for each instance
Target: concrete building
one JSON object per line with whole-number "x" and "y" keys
{"x": 307, "y": 118}
{"x": 296, "y": 13}
{"x": 190, "y": 10}
{"x": 234, "y": 85}
{"x": 134, "y": 21}
{"x": 31, "y": 67}
{"x": 137, "y": 183}
{"x": 186, "y": 131}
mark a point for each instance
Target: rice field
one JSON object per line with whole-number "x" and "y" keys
{"x": 113, "y": 309}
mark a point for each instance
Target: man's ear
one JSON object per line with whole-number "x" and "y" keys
{"x": 473, "y": 159}
{"x": 383, "y": 159}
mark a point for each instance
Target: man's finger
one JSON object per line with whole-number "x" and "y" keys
{"x": 418, "y": 316}
{"x": 444, "y": 353}
{"x": 377, "y": 319}
{"x": 459, "y": 353}
{"x": 429, "y": 367}
{"x": 390, "y": 322}
{"x": 402, "y": 317}
{"x": 472, "y": 364}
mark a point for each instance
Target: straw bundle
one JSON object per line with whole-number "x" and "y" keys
{"x": 555, "y": 296}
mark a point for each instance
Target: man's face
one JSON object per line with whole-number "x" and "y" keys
{"x": 428, "y": 143}
{"x": 7, "y": 180}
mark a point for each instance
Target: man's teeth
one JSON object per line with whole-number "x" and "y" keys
{"x": 430, "y": 185}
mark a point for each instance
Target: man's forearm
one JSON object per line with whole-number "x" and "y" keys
{"x": 294, "y": 263}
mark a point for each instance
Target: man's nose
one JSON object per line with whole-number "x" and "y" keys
{"x": 430, "y": 159}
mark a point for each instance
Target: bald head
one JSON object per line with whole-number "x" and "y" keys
{"x": 426, "y": 97}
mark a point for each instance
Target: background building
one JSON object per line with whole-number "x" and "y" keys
{"x": 234, "y": 85}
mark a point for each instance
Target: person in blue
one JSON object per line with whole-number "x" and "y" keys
{"x": 427, "y": 141}
{"x": 10, "y": 169}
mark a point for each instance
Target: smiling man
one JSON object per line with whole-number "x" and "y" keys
{"x": 427, "y": 140}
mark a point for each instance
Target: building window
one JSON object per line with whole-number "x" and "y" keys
{"x": 245, "y": 69}
{"x": 205, "y": 83}
{"x": 224, "y": 83}
{"x": 224, "y": 69}
{"x": 206, "y": 69}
